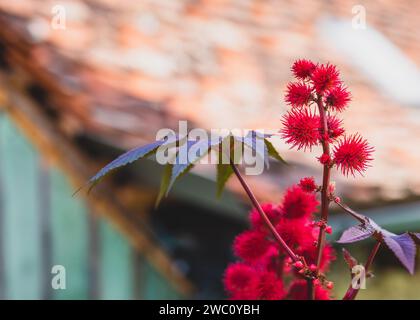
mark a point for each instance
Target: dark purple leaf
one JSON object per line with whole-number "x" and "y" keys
{"x": 131, "y": 156}
{"x": 415, "y": 236}
{"x": 363, "y": 231}
{"x": 187, "y": 158}
{"x": 404, "y": 248}
{"x": 356, "y": 233}
{"x": 255, "y": 141}
{"x": 373, "y": 225}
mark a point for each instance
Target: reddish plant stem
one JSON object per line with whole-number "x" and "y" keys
{"x": 267, "y": 221}
{"x": 351, "y": 293}
{"x": 310, "y": 289}
{"x": 350, "y": 211}
{"x": 325, "y": 201}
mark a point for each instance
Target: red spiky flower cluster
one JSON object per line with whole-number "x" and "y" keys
{"x": 325, "y": 77}
{"x": 302, "y": 69}
{"x": 304, "y": 129}
{"x": 298, "y": 94}
{"x": 308, "y": 184}
{"x": 286, "y": 257}
{"x": 264, "y": 265}
{"x": 353, "y": 154}
{"x": 337, "y": 98}
{"x": 301, "y": 129}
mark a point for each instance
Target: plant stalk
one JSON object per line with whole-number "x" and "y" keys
{"x": 350, "y": 211}
{"x": 267, "y": 221}
{"x": 325, "y": 183}
{"x": 351, "y": 293}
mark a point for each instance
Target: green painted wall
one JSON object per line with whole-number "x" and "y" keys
{"x": 20, "y": 230}
{"x": 69, "y": 238}
{"x": 67, "y": 228}
{"x": 116, "y": 276}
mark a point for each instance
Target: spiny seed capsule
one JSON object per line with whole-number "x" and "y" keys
{"x": 330, "y": 285}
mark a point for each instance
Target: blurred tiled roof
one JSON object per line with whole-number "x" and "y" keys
{"x": 121, "y": 70}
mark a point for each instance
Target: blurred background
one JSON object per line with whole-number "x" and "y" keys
{"x": 82, "y": 81}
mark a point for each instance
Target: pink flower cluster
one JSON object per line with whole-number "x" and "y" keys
{"x": 264, "y": 270}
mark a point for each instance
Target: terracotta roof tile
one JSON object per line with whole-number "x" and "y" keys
{"x": 134, "y": 68}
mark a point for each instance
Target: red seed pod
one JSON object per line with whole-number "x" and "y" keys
{"x": 302, "y": 69}
{"x": 298, "y": 264}
{"x": 251, "y": 245}
{"x": 331, "y": 187}
{"x": 298, "y": 94}
{"x": 337, "y": 98}
{"x": 353, "y": 155}
{"x": 287, "y": 268}
{"x": 335, "y": 129}
{"x": 324, "y": 159}
{"x": 300, "y": 129}
{"x": 308, "y": 184}
{"x": 329, "y": 285}
{"x": 328, "y": 229}
{"x": 325, "y": 77}
{"x": 298, "y": 203}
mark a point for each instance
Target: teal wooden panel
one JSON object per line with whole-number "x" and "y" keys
{"x": 69, "y": 238}
{"x": 155, "y": 286}
{"x": 22, "y": 248}
{"x": 116, "y": 264}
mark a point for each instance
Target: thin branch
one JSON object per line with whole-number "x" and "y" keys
{"x": 267, "y": 221}
{"x": 351, "y": 292}
{"x": 311, "y": 289}
{"x": 350, "y": 211}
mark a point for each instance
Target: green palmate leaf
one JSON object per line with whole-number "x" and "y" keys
{"x": 273, "y": 152}
{"x": 166, "y": 178}
{"x": 188, "y": 157}
{"x": 190, "y": 152}
{"x": 224, "y": 171}
{"x": 232, "y": 152}
{"x": 164, "y": 183}
{"x": 255, "y": 141}
{"x": 131, "y": 156}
